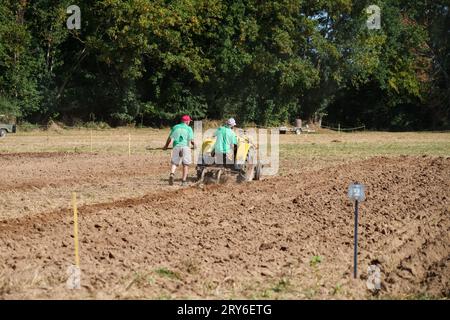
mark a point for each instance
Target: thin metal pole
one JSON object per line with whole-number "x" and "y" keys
{"x": 355, "y": 257}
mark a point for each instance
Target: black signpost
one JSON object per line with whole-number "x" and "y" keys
{"x": 356, "y": 193}
{"x": 355, "y": 254}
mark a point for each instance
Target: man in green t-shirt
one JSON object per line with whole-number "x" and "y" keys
{"x": 182, "y": 137}
{"x": 225, "y": 141}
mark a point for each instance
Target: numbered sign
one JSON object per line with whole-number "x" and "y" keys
{"x": 356, "y": 192}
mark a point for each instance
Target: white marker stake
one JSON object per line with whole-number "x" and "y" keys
{"x": 129, "y": 144}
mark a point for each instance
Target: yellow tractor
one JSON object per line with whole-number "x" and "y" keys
{"x": 245, "y": 164}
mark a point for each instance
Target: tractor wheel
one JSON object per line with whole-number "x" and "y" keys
{"x": 258, "y": 171}
{"x": 2, "y": 133}
{"x": 248, "y": 169}
{"x": 199, "y": 173}
{"x": 202, "y": 175}
{"x": 219, "y": 174}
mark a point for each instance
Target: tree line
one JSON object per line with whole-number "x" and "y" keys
{"x": 263, "y": 62}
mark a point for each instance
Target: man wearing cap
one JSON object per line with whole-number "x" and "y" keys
{"x": 225, "y": 141}
{"x": 182, "y": 136}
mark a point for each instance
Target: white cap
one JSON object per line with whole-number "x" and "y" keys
{"x": 231, "y": 122}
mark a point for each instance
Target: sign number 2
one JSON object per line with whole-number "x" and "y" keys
{"x": 374, "y": 18}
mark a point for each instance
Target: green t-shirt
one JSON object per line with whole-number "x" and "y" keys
{"x": 225, "y": 137}
{"x": 181, "y": 134}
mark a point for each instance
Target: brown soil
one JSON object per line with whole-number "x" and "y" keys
{"x": 249, "y": 240}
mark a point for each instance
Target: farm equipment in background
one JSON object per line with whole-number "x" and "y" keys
{"x": 246, "y": 164}
{"x": 284, "y": 130}
{"x": 6, "y": 126}
{"x": 297, "y": 129}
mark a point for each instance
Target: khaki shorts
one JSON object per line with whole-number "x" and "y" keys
{"x": 181, "y": 155}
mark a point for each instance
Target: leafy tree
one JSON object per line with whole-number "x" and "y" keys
{"x": 264, "y": 62}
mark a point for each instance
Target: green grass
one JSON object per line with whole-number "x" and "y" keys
{"x": 315, "y": 261}
{"x": 164, "y": 272}
{"x": 281, "y": 286}
{"x": 365, "y": 149}
{"x": 327, "y": 146}
{"x": 336, "y": 290}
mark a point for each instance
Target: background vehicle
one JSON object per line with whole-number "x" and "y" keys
{"x": 6, "y": 126}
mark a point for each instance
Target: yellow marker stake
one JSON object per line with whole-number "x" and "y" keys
{"x": 75, "y": 227}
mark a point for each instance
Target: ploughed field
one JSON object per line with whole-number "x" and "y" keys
{"x": 288, "y": 236}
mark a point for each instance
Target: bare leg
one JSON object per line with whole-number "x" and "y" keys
{"x": 172, "y": 174}
{"x": 185, "y": 172}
